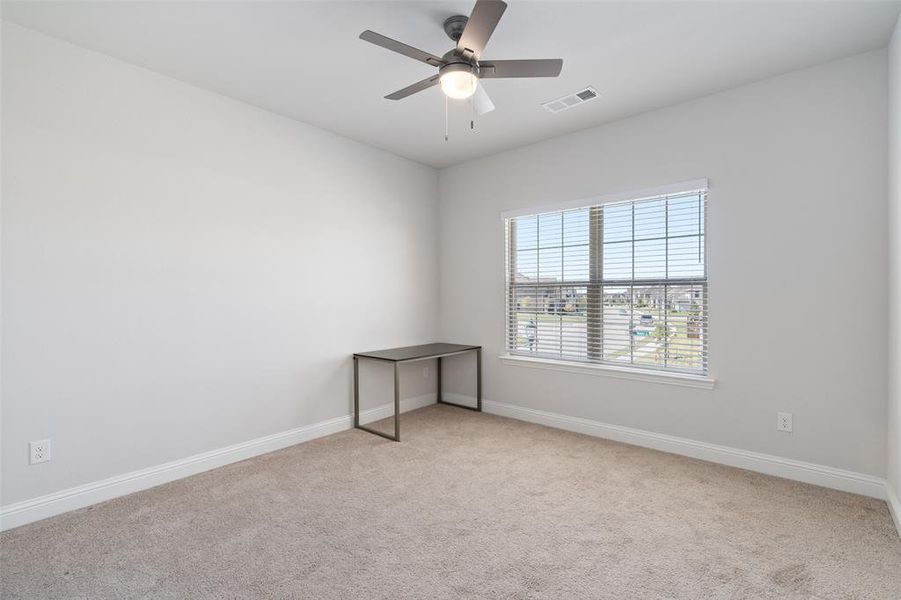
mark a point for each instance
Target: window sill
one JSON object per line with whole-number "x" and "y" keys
{"x": 648, "y": 375}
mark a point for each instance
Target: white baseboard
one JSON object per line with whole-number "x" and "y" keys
{"x": 838, "y": 479}
{"x": 386, "y": 410}
{"x": 28, "y": 511}
{"x": 894, "y": 505}
{"x": 21, "y": 513}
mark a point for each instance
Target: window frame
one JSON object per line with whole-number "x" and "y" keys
{"x": 593, "y": 361}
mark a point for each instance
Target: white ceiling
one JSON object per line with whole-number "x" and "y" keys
{"x": 304, "y": 60}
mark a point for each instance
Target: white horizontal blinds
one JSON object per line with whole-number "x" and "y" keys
{"x": 621, "y": 283}
{"x": 550, "y": 279}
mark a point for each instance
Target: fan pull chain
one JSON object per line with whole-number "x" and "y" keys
{"x": 445, "y": 118}
{"x": 472, "y": 111}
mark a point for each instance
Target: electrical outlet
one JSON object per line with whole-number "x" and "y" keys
{"x": 784, "y": 422}
{"x": 39, "y": 452}
{"x": 425, "y": 372}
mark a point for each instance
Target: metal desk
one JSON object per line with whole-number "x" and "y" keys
{"x": 410, "y": 354}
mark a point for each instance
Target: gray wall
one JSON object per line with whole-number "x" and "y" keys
{"x": 797, "y": 261}
{"x": 894, "y": 129}
{"x": 182, "y": 272}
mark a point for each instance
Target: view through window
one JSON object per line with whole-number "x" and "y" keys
{"x": 622, "y": 283}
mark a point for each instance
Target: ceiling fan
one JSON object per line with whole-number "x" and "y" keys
{"x": 461, "y": 69}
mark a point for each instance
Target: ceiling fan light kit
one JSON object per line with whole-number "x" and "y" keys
{"x": 458, "y": 80}
{"x": 461, "y": 69}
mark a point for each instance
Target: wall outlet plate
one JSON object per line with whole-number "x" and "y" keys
{"x": 39, "y": 452}
{"x": 784, "y": 422}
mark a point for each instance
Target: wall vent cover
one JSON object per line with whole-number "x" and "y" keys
{"x": 570, "y": 100}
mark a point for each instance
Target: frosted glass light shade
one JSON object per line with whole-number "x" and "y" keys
{"x": 459, "y": 84}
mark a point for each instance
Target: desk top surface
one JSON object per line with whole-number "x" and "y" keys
{"x": 416, "y": 352}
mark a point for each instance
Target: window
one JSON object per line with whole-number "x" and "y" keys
{"x": 622, "y": 283}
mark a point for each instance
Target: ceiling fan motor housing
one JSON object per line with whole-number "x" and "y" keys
{"x": 459, "y": 65}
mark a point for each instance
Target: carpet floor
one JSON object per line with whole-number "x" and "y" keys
{"x": 468, "y": 506}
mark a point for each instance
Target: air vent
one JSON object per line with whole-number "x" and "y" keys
{"x": 571, "y": 100}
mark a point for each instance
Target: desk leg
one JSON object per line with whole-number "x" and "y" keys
{"x": 478, "y": 406}
{"x": 396, "y": 436}
{"x": 479, "y": 379}
{"x": 438, "y": 377}
{"x": 397, "y": 402}
{"x": 356, "y": 392}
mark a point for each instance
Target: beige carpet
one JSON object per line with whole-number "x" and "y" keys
{"x": 467, "y": 506}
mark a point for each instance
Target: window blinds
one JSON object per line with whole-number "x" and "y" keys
{"x": 623, "y": 283}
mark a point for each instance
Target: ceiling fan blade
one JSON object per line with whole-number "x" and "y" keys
{"x": 481, "y": 24}
{"x": 541, "y": 67}
{"x": 481, "y": 102}
{"x": 385, "y": 42}
{"x": 412, "y": 89}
